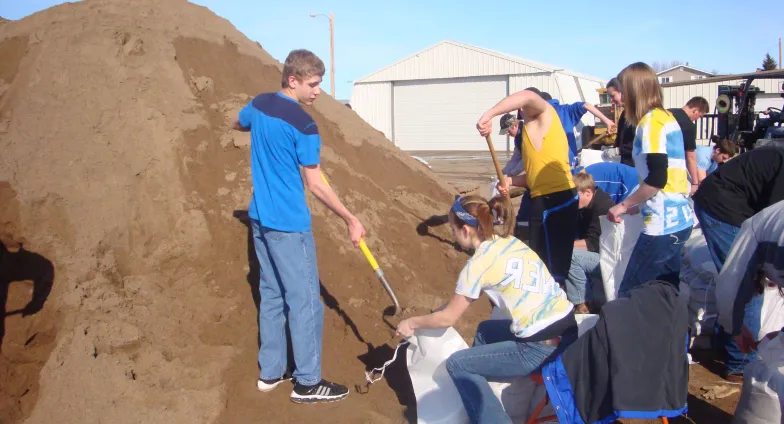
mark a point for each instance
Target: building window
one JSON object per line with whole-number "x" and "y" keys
{"x": 697, "y": 77}
{"x": 664, "y": 79}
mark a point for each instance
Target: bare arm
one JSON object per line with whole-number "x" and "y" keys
{"x": 237, "y": 126}
{"x": 643, "y": 193}
{"x": 530, "y": 102}
{"x": 597, "y": 113}
{"x": 701, "y": 175}
{"x": 515, "y": 181}
{"x": 316, "y": 184}
{"x": 580, "y": 244}
{"x": 691, "y": 165}
{"x": 442, "y": 318}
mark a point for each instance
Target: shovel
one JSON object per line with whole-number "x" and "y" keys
{"x": 509, "y": 222}
{"x": 373, "y": 264}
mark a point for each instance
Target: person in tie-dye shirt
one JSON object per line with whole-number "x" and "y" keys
{"x": 540, "y": 320}
{"x": 660, "y": 160}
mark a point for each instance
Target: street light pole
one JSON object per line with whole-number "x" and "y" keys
{"x": 332, "y": 53}
{"x": 331, "y": 48}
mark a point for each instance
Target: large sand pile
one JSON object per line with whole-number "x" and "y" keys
{"x": 125, "y": 187}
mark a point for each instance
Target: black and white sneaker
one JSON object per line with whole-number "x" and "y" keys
{"x": 324, "y": 391}
{"x": 269, "y": 385}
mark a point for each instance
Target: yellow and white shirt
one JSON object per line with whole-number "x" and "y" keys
{"x": 668, "y": 211}
{"x": 518, "y": 282}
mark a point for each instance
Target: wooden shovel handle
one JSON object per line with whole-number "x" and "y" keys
{"x": 509, "y": 221}
{"x": 498, "y": 170}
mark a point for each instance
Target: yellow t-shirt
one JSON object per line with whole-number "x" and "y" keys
{"x": 518, "y": 282}
{"x": 548, "y": 169}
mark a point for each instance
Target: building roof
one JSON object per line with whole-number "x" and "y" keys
{"x": 720, "y": 78}
{"x": 541, "y": 67}
{"x": 685, "y": 66}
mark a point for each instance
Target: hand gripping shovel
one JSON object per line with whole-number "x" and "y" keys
{"x": 509, "y": 221}
{"x": 373, "y": 264}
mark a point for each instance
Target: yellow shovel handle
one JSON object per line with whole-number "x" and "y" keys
{"x": 369, "y": 256}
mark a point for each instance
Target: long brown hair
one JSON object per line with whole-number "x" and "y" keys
{"x": 482, "y": 210}
{"x": 641, "y": 91}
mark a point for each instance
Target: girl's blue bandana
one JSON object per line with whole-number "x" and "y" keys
{"x": 461, "y": 213}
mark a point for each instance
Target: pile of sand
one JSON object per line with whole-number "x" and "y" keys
{"x": 126, "y": 187}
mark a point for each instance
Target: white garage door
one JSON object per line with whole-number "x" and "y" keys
{"x": 442, "y": 114}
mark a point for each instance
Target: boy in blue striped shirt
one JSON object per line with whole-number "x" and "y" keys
{"x": 284, "y": 138}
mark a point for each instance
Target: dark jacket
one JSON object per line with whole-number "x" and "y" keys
{"x": 624, "y": 141}
{"x": 632, "y": 364}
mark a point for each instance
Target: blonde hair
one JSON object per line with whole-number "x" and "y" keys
{"x": 641, "y": 91}
{"x": 482, "y": 210}
{"x": 583, "y": 181}
{"x": 301, "y": 64}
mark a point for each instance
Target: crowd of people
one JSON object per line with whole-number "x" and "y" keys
{"x": 544, "y": 276}
{"x": 655, "y": 169}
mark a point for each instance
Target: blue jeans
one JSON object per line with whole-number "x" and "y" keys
{"x": 289, "y": 289}
{"x": 584, "y": 267}
{"x": 718, "y": 234}
{"x": 734, "y": 359}
{"x": 655, "y": 258}
{"x": 497, "y": 354}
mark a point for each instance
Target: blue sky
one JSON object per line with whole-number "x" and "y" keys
{"x": 596, "y": 38}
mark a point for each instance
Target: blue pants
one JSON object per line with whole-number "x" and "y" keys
{"x": 552, "y": 227}
{"x": 289, "y": 288}
{"x": 584, "y": 267}
{"x": 655, "y": 258}
{"x": 720, "y": 235}
{"x": 497, "y": 354}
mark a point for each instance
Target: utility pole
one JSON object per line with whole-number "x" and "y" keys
{"x": 779, "y": 52}
{"x": 331, "y": 49}
{"x": 332, "y": 53}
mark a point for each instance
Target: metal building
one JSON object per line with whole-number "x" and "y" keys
{"x": 432, "y": 99}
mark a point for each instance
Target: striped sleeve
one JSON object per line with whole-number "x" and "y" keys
{"x": 654, "y": 135}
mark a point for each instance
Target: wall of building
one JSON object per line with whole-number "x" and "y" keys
{"x": 373, "y": 102}
{"x": 678, "y": 75}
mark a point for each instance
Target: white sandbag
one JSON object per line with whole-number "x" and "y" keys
{"x": 492, "y": 189}
{"x": 615, "y": 247}
{"x": 772, "y": 317}
{"x": 763, "y": 386}
{"x": 696, "y": 254}
{"x": 699, "y": 272}
{"x": 589, "y": 157}
{"x": 437, "y": 398}
{"x": 521, "y": 396}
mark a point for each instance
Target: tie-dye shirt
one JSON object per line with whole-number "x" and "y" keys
{"x": 668, "y": 211}
{"x": 518, "y": 282}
